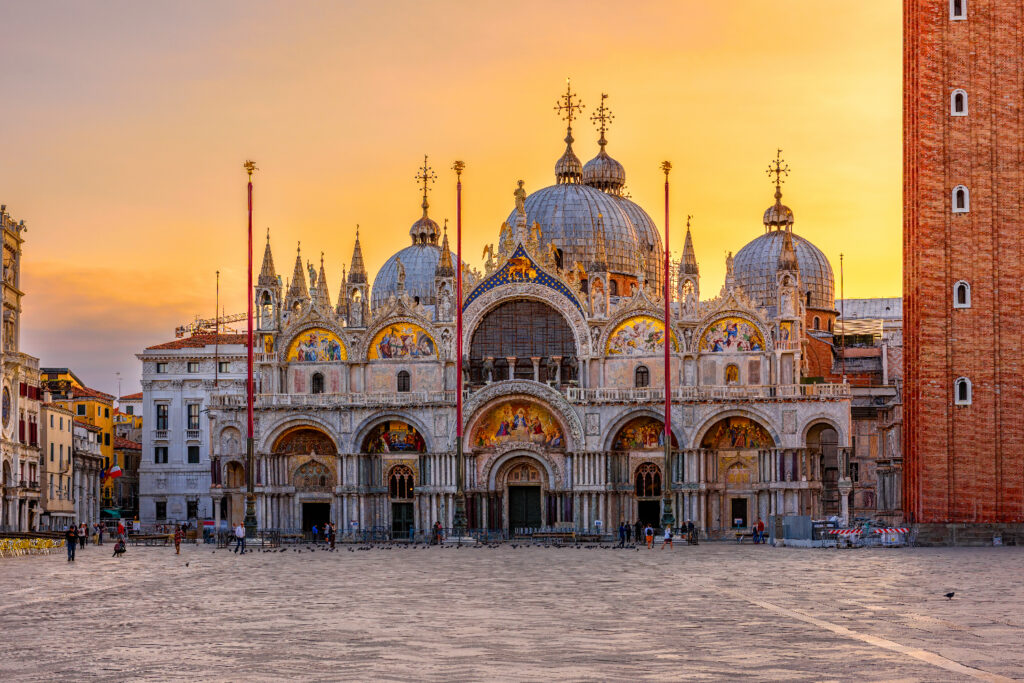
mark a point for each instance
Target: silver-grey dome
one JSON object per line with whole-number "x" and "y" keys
{"x": 420, "y": 262}
{"x": 648, "y": 238}
{"x": 754, "y": 269}
{"x": 569, "y": 215}
{"x": 604, "y": 173}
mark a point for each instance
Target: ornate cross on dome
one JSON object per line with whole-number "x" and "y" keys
{"x": 425, "y": 176}
{"x": 567, "y": 104}
{"x": 778, "y": 168}
{"x": 602, "y": 118}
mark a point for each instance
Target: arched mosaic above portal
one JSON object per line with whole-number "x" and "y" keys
{"x": 640, "y": 335}
{"x": 304, "y": 441}
{"x": 642, "y": 433}
{"x": 394, "y": 436}
{"x": 517, "y": 421}
{"x": 317, "y": 345}
{"x": 731, "y": 335}
{"x": 402, "y": 340}
{"x": 737, "y": 432}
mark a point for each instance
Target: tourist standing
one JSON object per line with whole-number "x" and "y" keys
{"x": 649, "y": 536}
{"x": 760, "y": 531}
{"x": 629, "y": 532}
{"x": 99, "y": 533}
{"x": 179, "y": 534}
{"x": 81, "y": 535}
{"x": 120, "y": 530}
{"x": 316, "y": 533}
{"x": 622, "y": 534}
{"x": 71, "y": 541}
{"x": 240, "y": 538}
{"x": 638, "y": 528}
{"x": 668, "y": 537}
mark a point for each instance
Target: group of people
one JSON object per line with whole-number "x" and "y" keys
{"x": 76, "y": 536}
{"x": 329, "y": 532}
{"x": 644, "y": 533}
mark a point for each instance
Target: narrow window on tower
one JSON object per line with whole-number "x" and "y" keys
{"x": 962, "y": 392}
{"x": 957, "y": 10}
{"x": 961, "y": 199}
{"x": 958, "y": 103}
{"x": 817, "y": 323}
{"x": 961, "y": 295}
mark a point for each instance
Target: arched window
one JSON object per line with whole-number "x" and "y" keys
{"x": 732, "y": 374}
{"x": 642, "y": 376}
{"x": 648, "y": 481}
{"x": 961, "y": 199}
{"x": 266, "y": 312}
{"x": 958, "y": 103}
{"x": 830, "y": 325}
{"x": 963, "y": 392}
{"x": 808, "y": 298}
{"x": 816, "y": 324}
{"x": 521, "y": 329}
{"x": 961, "y": 295}
{"x": 613, "y": 288}
{"x": 316, "y": 384}
{"x": 957, "y": 10}
{"x": 403, "y": 381}
{"x": 400, "y": 483}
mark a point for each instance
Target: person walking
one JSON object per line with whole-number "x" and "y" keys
{"x": 629, "y": 532}
{"x": 99, "y": 533}
{"x": 81, "y": 535}
{"x": 334, "y": 534}
{"x": 179, "y": 535}
{"x": 649, "y": 536}
{"x": 71, "y": 541}
{"x": 760, "y": 531}
{"x": 622, "y": 534}
{"x": 316, "y": 533}
{"x": 120, "y": 530}
{"x": 668, "y": 538}
{"x": 240, "y": 538}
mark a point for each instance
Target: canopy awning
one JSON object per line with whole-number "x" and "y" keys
{"x": 116, "y": 514}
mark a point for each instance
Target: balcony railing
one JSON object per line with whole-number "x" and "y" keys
{"x": 192, "y": 434}
{"x": 708, "y": 393}
{"x": 160, "y": 434}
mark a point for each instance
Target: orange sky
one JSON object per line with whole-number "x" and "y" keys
{"x": 125, "y": 126}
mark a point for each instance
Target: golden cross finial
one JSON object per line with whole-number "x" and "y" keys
{"x": 459, "y": 167}
{"x": 250, "y": 166}
{"x": 688, "y": 217}
{"x": 567, "y": 105}
{"x": 426, "y": 176}
{"x": 666, "y": 166}
{"x": 321, "y": 259}
{"x": 602, "y": 118}
{"x": 778, "y": 168}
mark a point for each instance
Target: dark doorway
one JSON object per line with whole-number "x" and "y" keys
{"x": 523, "y": 508}
{"x": 315, "y": 513}
{"x": 401, "y": 520}
{"x": 649, "y": 512}
{"x": 739, "y": 513}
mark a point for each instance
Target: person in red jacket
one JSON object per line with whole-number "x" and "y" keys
{"x": 179, "y": 535}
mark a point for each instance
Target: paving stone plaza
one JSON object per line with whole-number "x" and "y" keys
{"x": 711, "y": 612}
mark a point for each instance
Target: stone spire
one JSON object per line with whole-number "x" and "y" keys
{"x": 688, "y": 265}
{"x": 297, "y": 290}
{"x": 357, "y": 271}
{"x": 600, "y": 262}
{"x": 323, "y": 297}
{"x": 341, "y": 292}
{"x": 444, "y": 264}
{"x": 268, "y": 274}
{"x": 787, "y": 257}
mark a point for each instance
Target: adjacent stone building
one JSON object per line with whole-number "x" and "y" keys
{"x": 58, "y": 463}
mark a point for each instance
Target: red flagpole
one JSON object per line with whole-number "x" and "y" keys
{"x": 667, "y": 518}
{"x": 460, "y": 494}
{"x": 250, "y": 495}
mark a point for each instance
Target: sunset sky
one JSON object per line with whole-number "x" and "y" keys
{"x": 125, "y": 126}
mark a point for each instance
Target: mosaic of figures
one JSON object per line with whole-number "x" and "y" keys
{"x": 731, "y": 335}
{"x": 642, "y": 434}
{"x": 639, "y": 336}
{"x": 317, "y": 346}
{"x": 402, "y": 340}
{"x": 394, "y": 436}
{"x": 304, "y": 441}
{"x": 517, "y": 421}
{"x": 737, "y": 432}
{"x": 785, "y": 332}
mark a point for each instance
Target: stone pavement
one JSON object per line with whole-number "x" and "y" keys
{"x": 711, "y": 612}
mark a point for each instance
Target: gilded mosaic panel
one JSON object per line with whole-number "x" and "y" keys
{"x": 402, "y": 340}
{"x": 640, "y": 335}
{"x": 642, "y": 434}
{"x": 517, "y": 421}
{"x": 394, "y": 436}
{"x": 737, "y": 432}
{"x": 317, "y": 345}
{"x": 731, "y": 335}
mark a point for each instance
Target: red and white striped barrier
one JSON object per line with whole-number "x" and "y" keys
{"x": 892, "y": 531}
{"x": 845, "y": 532}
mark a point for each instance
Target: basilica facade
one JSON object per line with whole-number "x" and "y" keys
{"x": 563, "y": 378}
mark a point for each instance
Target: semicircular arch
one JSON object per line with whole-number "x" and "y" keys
{"x": 761, "y": 420}
{"x": 484, "y": 304}
{"x": 302, "y": 420}
{"x": 842, "y": 434}
{"x": 622, "y": 420}
{"x": 360, "y": 434}
{"x": 363, "y": 347}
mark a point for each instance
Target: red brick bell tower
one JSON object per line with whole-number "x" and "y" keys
{"x": 963, "y": 250}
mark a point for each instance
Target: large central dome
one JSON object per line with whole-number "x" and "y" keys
{"x": 756, "y": 264}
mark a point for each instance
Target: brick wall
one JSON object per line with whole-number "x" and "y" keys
{"x": 963, "y": 463}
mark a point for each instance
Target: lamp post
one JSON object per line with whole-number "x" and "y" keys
{"x": 460, "y": 493}
{"x": 250, "y": 494}
{"x": 667, "y": 518}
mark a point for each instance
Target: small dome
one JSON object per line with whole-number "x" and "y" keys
{"x": 424, "y": 231}
{"x": 420, "y": 262}
{"x": 568, "y": 168}
{"x": 756, "y": 264}
{"x": 604, "y": 173}
{"x": 778, "y": 215}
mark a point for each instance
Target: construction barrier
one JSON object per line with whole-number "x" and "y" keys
{"x": 19, "y": 547}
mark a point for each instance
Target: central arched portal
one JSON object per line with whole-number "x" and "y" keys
{"x": 735, "y": 503}
{"x": 307, "y": 457}
{"x": 522, "y": 479}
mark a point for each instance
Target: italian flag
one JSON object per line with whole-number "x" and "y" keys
{"x": 113, "y": 473}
